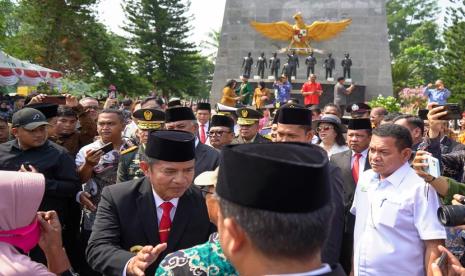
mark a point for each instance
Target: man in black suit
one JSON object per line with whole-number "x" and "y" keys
{"x": 352, "y": 163}
{"x": 182, "y": 118}
{"x": 140, "y": 221}
{"x": 447, "y": 144}
{"x": 295, "y": 125}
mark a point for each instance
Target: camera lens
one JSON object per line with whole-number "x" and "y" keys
{"x": 451, "y": 215}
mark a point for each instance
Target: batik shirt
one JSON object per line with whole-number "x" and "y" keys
{"x": 204, "y": 259}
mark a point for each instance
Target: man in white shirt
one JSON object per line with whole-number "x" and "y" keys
{"x": 396, "y": 228}
{"x": 352, "y": 163}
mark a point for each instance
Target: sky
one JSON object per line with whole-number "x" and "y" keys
{"x": 208, "y": 15}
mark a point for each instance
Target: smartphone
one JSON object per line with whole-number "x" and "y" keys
{"x": 453, "y": 112}
{"x": 423, "y": 114}
{"x": 112, "y": 94}
{"x": 442, "y": 262}
{"x": 433, "y": 168}
{"x": 60, "y": 100}
{"x": 106, "y": 148}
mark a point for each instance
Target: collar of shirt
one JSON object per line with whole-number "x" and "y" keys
{"x": 159, "y": 201}
{"x": 204, "y": 125}
{"x": 325, "y": 268}
{"x": 364, "y": 153}
{"x": 196, "y": 141}
{"x": 396, "y": 177}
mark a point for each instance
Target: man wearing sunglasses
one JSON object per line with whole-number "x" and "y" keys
{"x": 221, "y": 131}
{"x": 295, "y": 125}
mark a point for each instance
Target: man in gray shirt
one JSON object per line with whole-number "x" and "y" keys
{"x": 341, "y": 93}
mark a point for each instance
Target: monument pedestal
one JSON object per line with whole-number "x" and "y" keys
{"x": 358, "y": 96}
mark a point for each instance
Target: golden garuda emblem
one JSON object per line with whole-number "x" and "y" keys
{"x": 300, "y": 35}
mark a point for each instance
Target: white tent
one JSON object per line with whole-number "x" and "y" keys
{"x": 13, "y": 70}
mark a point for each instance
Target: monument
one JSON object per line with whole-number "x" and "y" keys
{"x": 360, "y": 29}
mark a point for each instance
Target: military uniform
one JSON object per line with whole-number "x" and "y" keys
{"x": 248, "y": 116}
{"x": 128, "y": 165}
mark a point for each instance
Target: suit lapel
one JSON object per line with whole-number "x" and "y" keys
{"x": 199, "y": 153}
{"x": 147, "y": 212}
{"x": 367, "y": 162}
{"x": 180, "y": 221}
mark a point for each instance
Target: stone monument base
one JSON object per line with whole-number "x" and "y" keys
{"x": 358, "y": 96}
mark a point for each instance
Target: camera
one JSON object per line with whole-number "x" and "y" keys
{"x": 433, "y": 166}
{"x": 451, "y": 215}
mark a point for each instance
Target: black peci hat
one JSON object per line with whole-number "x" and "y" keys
{"x": 273, "y": 190}
{"x": 361, "y": 123}
{"x": 204, "y": 106}
{"x": 48, "y": 109}
{"x": 171, "y": 146}
{"x": 295, "y": 116}
{"x": 222, "y": 121}
{"x": 179, "y": 113}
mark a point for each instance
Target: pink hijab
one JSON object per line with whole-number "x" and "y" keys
{"x": 20, "y": 197}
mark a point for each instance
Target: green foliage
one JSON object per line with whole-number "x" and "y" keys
{"x": 159, "y": 36}
{"x": 453, "y": 70}
{"x": 390, "y": 103}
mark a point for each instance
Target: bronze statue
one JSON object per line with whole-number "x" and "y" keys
{"x": 300, "y": 34}
{"x": 275, "y": 64}
{"x": 247, "y": 64}
{"x": 329, "y": 65}
{"x": 293, "y": 64}
{"x": 310, "y": 61}
{"x": 346, "y": 64}
{"x": 285, "y": 70}
{"x": 261, "y": 65}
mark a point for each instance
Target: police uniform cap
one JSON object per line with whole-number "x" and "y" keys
{"x": 29, "y": 118}
{"x": 49, "y": 110}
{"x": 179, "y": 113}
{"x": 358, "y": 108}
{"x": 273, "y": 190}
{"x": 248, "y": 116}
{"x": 149, "y": 118}
{"x": 361, "y": 123}
{"x": 174, "y": 102}
{"x": 171, "y": 146}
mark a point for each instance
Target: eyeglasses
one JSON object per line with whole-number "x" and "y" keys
{"x": 217, "y": 133}
{"x": 204, "y": 190}
{"x": 325, "y": 128}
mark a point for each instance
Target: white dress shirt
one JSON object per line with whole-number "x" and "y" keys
{"x": 159, "y": 202}
{"x": 361, "y": 162}
{"x": 335, "y": 149}
{"x": 393, "y": 218}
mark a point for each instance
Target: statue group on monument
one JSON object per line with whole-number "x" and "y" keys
{"x": 290, "y": 67}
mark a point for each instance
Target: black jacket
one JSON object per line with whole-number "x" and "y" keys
{"x": 449, "y": 145}
{"x": 53, "y": 161}
{"x": 206, "y": 159}
{"x": 126, "y": 217}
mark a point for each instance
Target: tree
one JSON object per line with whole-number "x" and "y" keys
{"x": 453, "y": 70}
{"x": 159, "y": 31}
{"x": 404, "y": 17}
{"x": 212, "y": 44}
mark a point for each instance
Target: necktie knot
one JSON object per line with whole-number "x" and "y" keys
{"x": 357, "y": 155}
{"x": 166, "y": 207}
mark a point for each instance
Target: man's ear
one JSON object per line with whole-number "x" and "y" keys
{"x": 309, "y": 135}
{"x": 406, "y": 154}
{"x": 144, "y": 166}
{"x": 236, "y": 235}
{"x": 14, "y": 131}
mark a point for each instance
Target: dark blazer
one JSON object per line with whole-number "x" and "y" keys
{"x": 206, "y": 159}
{"x": 343, "y": 161}
{"x": 449, "y": 145}
{"x": 126, "y": 216}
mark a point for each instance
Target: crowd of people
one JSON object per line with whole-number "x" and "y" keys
{"x": 155, "y": 187}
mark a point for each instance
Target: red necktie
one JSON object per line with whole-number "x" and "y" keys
{"x": 202, "y": 134}
{"x": 165, "y": 222}
{"x": 355, "y": 167}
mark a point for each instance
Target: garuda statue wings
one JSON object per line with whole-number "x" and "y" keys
{"x": 300, "y": 35}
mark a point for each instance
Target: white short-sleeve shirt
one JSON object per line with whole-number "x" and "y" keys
{"x": 393, "y": 218}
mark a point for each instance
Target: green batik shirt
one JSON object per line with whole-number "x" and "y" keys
{"x": 204, "y": 259}
{"x": 246, "y": 90}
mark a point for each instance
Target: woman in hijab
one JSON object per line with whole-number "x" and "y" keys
{"x": 22, "y": 228}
